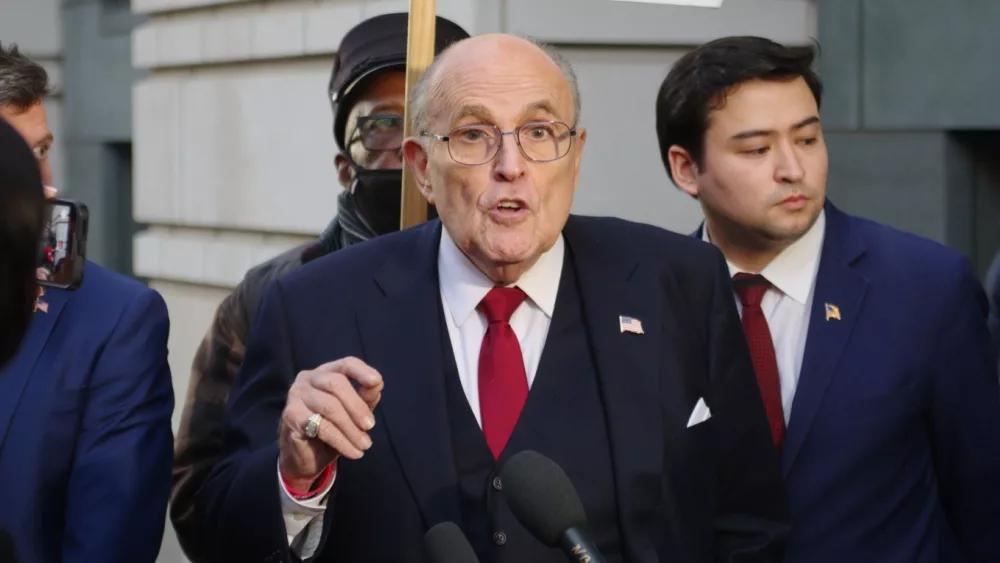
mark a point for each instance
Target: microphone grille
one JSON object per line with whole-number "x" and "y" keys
{"x": 541, "y": 496}
{"x": 445, "y": 543}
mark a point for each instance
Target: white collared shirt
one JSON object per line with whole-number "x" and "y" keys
{"x": 463, "y": 286}
{"x": 788, "y": 302}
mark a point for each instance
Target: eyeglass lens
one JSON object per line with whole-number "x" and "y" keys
{"x": 540, "y": 141}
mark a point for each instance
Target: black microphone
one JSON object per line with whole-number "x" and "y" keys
{"x": 7, "y": 552}
{"x": 543, "y": 499}
{"x": 445, "y": 543}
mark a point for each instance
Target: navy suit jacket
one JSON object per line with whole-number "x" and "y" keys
{"x": 85, "y": 438}
{"x": 892, "y": 451}
{"x": 711, "y": 492}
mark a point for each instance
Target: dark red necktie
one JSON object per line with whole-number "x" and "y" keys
{"x": 751, "y": 290}
{"x": 503, "y": 383}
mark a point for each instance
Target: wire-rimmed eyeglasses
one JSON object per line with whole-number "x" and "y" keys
{"x": 539, "y": 141}
{"x": 379, "y": 132}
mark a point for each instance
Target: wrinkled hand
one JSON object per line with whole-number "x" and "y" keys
{"x": 347, "y": 416}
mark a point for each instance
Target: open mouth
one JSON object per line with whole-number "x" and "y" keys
{"x": 509, "y": 209}
{"x": 510, "y": 205}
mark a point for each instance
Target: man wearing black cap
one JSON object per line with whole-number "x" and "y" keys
{"x": 367, "y": 93}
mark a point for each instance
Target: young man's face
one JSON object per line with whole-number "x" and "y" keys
{"x": 33, "y": 124}
{"x": 765, "y": 162}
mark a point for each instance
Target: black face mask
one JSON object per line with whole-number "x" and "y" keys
{"x": 376, "y": 195}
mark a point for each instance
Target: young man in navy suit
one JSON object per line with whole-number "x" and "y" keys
{"x": 870, "y": 345}
{"x": 611, "y": 347}
{"x": 85, "y": 404}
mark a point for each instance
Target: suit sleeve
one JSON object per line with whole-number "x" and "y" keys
{"x": 239, "y": 504}
{"x": 203, "y": 421}
{"x": 752, "y": 513}
{"x": 965, "y": 418}
{"x": 120, "y": 481}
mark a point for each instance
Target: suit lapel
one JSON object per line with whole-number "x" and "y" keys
{"x": 401, "y": 334}
{"x": 840, "y": 285}
{"x": 614, "y": 285}
{"x": 14, "y": 378}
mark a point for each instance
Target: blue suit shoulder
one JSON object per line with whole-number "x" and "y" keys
{"x": 105, "y": 297}
{"x": 909, "y": 260}
{"x": 100, "y": 280}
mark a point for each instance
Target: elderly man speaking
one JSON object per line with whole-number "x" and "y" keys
{"x": 402, "y": 373}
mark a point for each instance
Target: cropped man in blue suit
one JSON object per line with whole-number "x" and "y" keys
{"x": 85, "y": 404}
{"x": 870, "y": 345}
{"x": 611, "y": 347}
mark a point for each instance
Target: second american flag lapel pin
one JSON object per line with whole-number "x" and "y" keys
{"x": 832, "y": 312}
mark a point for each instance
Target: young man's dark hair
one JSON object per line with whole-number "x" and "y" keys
{"x": 700, "y": 81}
{"x": 23, "y": 82}
{"x": 22, "y": 207}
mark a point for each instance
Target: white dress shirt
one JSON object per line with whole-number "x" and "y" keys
{"x": 463, "y": 286}
{"x": 788, "y": 302}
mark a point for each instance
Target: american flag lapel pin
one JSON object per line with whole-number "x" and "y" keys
{"x": 630, "y": 324}
{"x": 832, "y": 312}
{"x": 39, "y": 304}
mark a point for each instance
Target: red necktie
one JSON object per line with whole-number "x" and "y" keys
{"x": 503, "y": 384}
{"x": 751, "y": 290}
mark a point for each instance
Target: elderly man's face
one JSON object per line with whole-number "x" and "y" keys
{"x": 503, "y": 213}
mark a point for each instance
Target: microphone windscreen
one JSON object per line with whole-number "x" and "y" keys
{"x": 445, "y": 543}
{"x": 541, "y": 496}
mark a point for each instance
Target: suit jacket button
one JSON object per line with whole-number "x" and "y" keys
{"x": 499, "y": 538}
{"x": 497, "y": 484}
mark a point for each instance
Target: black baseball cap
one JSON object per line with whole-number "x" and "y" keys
{"x": 372, "y": 46}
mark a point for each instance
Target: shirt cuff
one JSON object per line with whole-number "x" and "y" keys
{"x": 325, "y": 478}
{"x": 298, "y": 513}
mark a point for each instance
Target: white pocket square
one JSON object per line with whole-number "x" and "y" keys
{"x": 700, "y": 414}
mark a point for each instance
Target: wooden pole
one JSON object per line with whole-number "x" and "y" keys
{"x": 419, "y": 55}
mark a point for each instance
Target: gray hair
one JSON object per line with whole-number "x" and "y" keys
{"x": 421, "y": 94}
{"x": 23, "y": 82}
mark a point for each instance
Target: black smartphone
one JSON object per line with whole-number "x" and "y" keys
{"x": 63, "y": 248}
